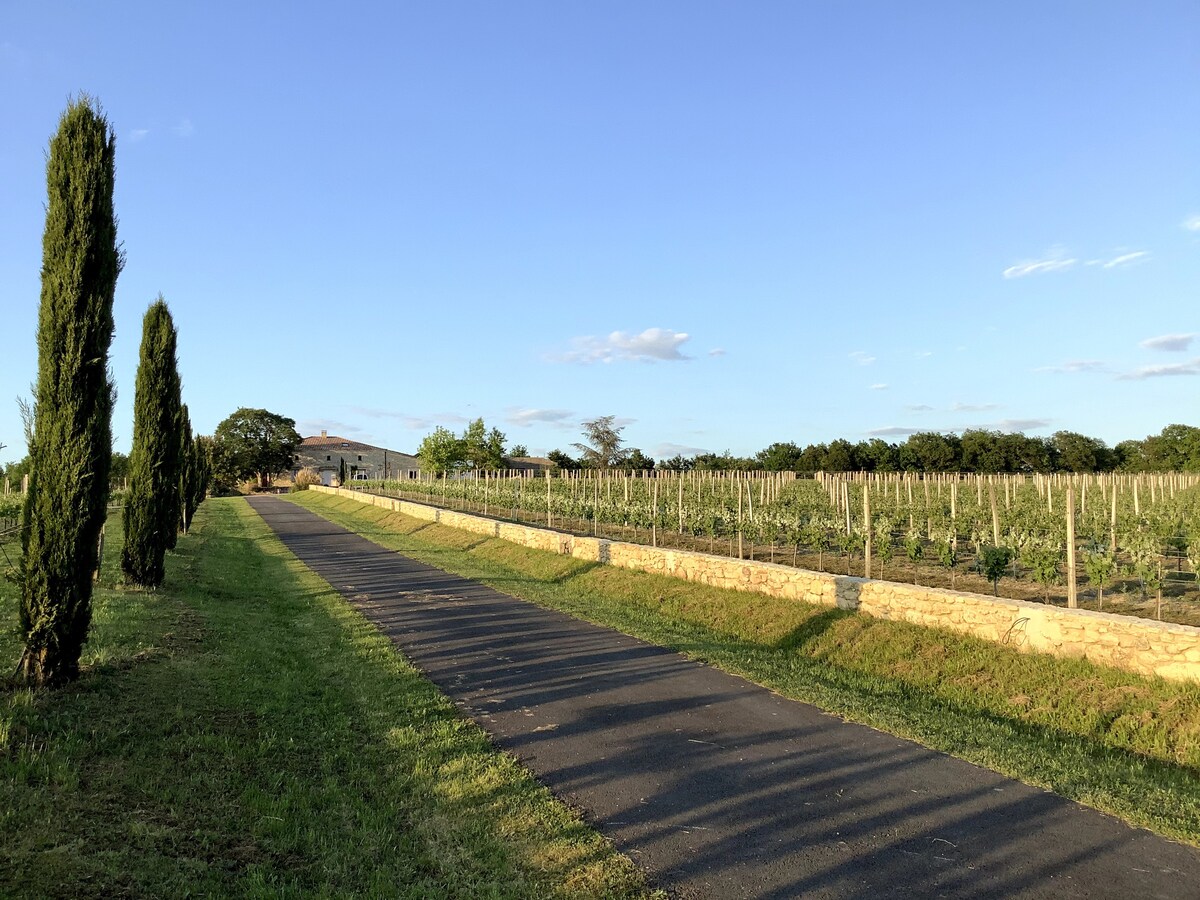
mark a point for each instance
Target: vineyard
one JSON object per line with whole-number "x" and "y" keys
{"x": 1115, "y": 542}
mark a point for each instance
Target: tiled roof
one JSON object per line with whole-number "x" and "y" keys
{"x": 333, "y": 442}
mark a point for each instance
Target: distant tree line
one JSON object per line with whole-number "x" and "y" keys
{"x": 1175, "y": 449}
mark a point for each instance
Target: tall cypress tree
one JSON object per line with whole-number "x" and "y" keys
{"x": 188, "y": 471}
{"x": 152, "y": 503}
{"x": 71, "y": 445}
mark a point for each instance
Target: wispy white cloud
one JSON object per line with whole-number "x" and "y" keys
{"x": 862, "y": 358}
{"x": 138, "y": 134}
{"x": 668, "y": 450}
{"x": 1020, "y": 424}
{"x": 184, "y": 128}
{"x": 923, "y": 354}
{"x": 1054, "y": 261}
{"x": 879, "y": 387}
{"x": 919, "y": 407}
{"x": 652, "y": 345}
{"x": 717, "y": 351}
{"x": 1125, "y": 259}
{"x": 525, "y": 418}
{"x": 1172, "y": 343}
{"x": 413, "y": 421}
{"x": 1076, "y": 366}
{"x": 894, "y": 431}
{"x": 1191, "y": 367}
{"x": 1191, "y": 223}
{"x": 973, "y": 407}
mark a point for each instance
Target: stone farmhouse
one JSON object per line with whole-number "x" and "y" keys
{"x": 324, "y": 454}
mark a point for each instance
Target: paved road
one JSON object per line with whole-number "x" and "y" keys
{"x": 717, "y": 787}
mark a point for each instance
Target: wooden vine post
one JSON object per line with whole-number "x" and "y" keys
{"x": 1072, "y": 596}
{"x": 995, "y": 515}
{"x": 867, "y": 531}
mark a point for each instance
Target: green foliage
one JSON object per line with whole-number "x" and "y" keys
{"x": 193, "y": 483}
{"x": 779, "y": 457}
{"x": 71, "y": 440}
{"x": 152, "y": 506}
{"x": 993, "y": 561}
{"x": 914, "y": 547}
{"x": 440, "y": 452}
{"x": 1043, "y": 559}
{"x": 603, "y": 447}
{"x": 253, "y": 443}
{"x": 341, "y": 471}
{"x": 638, "y": 461}
{"x": 563, "y": 461}
{"x": 119, "y": 470}
{"x": 482, "y": 449}
{"x": 1100, "y": 566}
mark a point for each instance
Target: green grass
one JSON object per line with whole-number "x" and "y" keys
{"x": 1116, "y": 741}
{"x": 243, "y": 732}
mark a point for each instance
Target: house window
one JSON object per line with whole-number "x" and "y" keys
{"x": 360, "y": 459}
{"x": 327, "y": 459}
{"x": 344, "y": 444}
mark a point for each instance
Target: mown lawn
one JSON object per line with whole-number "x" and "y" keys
{"x": 242, "y": 732}
{"x": 1116, "y": 741}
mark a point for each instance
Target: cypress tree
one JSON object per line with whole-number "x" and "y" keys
{"x": 189, "y": 473}
{"x": 71, "y": 443}
{"x": 152, "y": 503}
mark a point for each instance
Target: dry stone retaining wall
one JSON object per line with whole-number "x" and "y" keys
{"x": 1137, "y": 645}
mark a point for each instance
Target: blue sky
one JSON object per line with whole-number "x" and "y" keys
{"x": 726, "y": 224}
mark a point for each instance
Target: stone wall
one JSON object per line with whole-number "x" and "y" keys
{"x": 1137, "y": 645}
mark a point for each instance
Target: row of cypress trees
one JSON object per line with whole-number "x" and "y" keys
{"x": 70, "y": 429}
{"x": 168, "y": 467}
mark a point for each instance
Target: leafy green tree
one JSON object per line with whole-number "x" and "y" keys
{"x": 982, "y": 451}
{"x": 71, "y": 434}
{"x": 1175, "y": 449}
{"x": 119, "y": 471}
{"x": 254, "y": 443}
{"x": 1025, "y": 454}
{"x": 779, "y": 457}
{"x": 840, "y": 457}
{"x": 341, "y": 471}
{"x": 678, "y": 463}
{"x": 603, "y": 448}
{"x": 152, "y": 506}
{"x": 563, "y": 461}
{"x": 15, "y": 471}
{"x": 441, "y": 452}
{"x": 638, "y": 461}
{"x": 929, "y": 451}
{"x": 484, "y": 449}
{"x": 519, "y": 451}
{"x": 1074, "y": 452}
{"x": 877, "y": 455}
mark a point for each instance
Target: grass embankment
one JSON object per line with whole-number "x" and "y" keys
{"x": 1113, "y": 740}
{"x": 242, "y": 732}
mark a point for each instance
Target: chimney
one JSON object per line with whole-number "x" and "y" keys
{"x": 324, "y": 433}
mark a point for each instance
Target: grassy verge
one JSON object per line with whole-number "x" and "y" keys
{"x": 1119, "y": 742}
{"x": 242, "y": 732}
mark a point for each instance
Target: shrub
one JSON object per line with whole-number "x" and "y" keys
{"x": 304, "y": 478}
